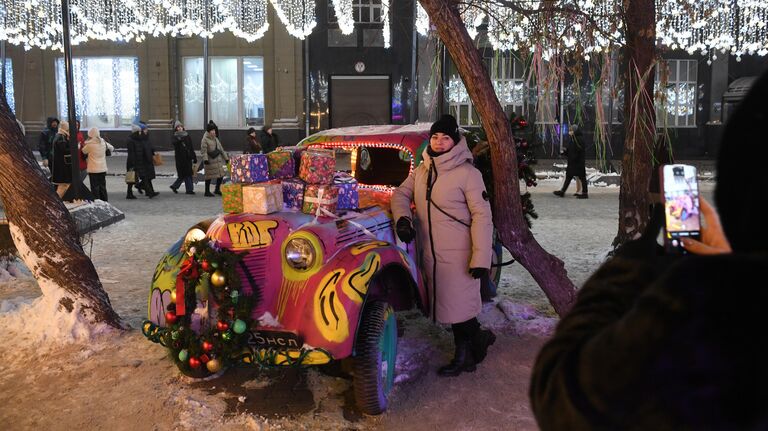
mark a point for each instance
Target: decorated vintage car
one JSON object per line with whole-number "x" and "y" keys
{"x": 322, "y": 287}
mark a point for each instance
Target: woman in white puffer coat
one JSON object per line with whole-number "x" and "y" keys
{"x": 97, "y": 148}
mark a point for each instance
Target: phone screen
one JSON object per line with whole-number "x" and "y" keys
{"x": 681, "y": 203}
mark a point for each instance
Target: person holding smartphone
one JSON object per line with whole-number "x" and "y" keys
{"x": 669, "y": 341}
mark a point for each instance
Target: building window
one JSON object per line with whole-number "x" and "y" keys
{"x": 106, "y": 91}
{"x": 9, "y": 84}
{"x": 363, "y": 12}
{"x": 236, "y": 91}
{"x": 676, "y": 95}
{"x": 507, "y": 77}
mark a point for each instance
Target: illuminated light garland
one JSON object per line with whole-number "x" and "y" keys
{"x": 294, "y": 14}
{"x": 736, "y": 26}
{"x": 344, "y": 15}
{"x": 347, "y": 146}
{"x": 386, "y": 32}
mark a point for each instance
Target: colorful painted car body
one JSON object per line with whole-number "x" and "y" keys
{"x": 314, "y": 313}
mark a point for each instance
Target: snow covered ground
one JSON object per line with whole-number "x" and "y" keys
{"x": 123, "y": 381}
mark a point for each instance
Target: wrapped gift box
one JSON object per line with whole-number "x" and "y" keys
{"x": 317, "y": 166}
{"x": 263, "y": 198}
{"x": 293, "y": 193}
{"x": 249, "y": 168}
{"x": 232, "y": 198}
{"x": 347, "y": 190}
{"x": 281, "y": 164}
{"x": 319, "y": 196}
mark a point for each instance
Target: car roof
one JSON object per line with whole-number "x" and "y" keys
{"x": 411, "y": 136}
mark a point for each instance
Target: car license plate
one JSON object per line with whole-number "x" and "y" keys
{"x": 261, "y": 339}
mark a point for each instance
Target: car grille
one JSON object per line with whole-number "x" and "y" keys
{"x": 256, "y": 262}
{"x": 351, "y": 233}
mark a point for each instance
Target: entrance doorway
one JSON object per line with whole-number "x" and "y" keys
{"x": 360, "y": 100}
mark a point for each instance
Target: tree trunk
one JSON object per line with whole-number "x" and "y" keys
{"x": 640, "y": 115}
{"x": 44, "y": 232}
{"x": 548, "y": 271}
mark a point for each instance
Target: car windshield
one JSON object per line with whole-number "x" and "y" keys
{"x": 375, "y": 165}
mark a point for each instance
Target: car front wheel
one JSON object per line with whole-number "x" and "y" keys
{"x": 374, "y": 359}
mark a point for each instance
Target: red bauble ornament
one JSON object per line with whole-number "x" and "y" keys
{"x": 222, "y": 326}
{"x": 207, "y": 346}
{"x": 194, "y": 362}
{"x": 204, "y": 358}
{"x": 205, "y": 265}
{"x": 170, "y": 317}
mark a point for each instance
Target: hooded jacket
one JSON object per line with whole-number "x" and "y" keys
{"x": 217, "y": 166}
{"x": 184, "y": 153}
{"x": 458, "y": 190}
{"x": 45, "y": 142}
{"x": 658, "y": 342}
{"x": 96, "y": 149}
{"x": 140, "y": 154}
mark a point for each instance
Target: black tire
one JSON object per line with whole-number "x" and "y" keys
{"x": 373, "y": 376}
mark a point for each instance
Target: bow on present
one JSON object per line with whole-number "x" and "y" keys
{"x": 319, "y": 201}
{"x": 189, "y": 271}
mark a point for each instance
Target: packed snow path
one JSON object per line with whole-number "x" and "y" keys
{"x": 126, "y": 382}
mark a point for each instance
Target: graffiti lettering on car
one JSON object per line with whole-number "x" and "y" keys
{"x": 330, "y": 316}
{"x": 366, "y": 246}
{"x": 250, "y": 235}
{"x": 356, "y": 285}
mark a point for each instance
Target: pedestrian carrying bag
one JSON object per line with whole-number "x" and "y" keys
{"x": 157, "y": 159}
{"x": 107, "y": 151}
{"x": 130, "y": 177}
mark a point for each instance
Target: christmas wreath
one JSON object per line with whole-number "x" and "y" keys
{"x": 209, "y": 350}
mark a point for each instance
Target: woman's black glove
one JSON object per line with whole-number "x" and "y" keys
{"x": 478, "y": 272}
{"x": 404, "y": 230}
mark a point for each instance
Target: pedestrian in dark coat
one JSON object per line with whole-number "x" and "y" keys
{"x": 455, "y": 232}
{"x": 660, "y": 342}
{"x": 574, "y": 151}
{"x": 61, "y": 171}
{"x": 140, "y": 154}
{"x": 252, "y": 144}
{"x": 45, "y": 142}
{"x": 186, "y": 159}
{"x": 269, "y": 140}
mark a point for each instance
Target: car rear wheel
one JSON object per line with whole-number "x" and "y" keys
{"x": 374, "y": 359}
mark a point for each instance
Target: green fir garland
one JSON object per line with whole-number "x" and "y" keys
{"x": 222, "y": 343}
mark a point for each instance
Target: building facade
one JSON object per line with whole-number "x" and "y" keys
{"x": 334, "y": 80}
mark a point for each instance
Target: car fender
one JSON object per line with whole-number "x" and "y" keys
{"x": 353, "y": 274}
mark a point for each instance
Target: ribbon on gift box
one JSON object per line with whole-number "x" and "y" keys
{"x": 320, "y": 201}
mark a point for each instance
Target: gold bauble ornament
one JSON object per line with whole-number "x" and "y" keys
{"x": 214, "y": 365}
{"x": 218, "y": 279}
{"x": 173, "y": 296}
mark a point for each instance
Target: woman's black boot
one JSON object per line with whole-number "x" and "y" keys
{"x": 208, "y": 188}
{"x": 481, "y": 340}
{"x": 218, "y": 186}
{"x": 462, "y": 361}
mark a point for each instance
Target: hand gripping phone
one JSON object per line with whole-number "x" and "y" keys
{"x": 682, "y": 213}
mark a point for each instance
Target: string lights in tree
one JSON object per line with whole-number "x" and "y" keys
{"x": 593, "y": 26}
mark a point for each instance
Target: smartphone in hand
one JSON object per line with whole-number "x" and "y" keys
{"x": 682, "y": 212}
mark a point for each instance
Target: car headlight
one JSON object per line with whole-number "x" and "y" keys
{"x": 300, "y": 253}
{"x": 194, "y": 234}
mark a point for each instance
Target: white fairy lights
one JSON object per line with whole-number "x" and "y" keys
{"x": 584, "y": 26}
{"x": 37, "y": 23}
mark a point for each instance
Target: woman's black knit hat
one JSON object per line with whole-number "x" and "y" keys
{"x": 447, "y": 125}
{"x": 211, "y": 126}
